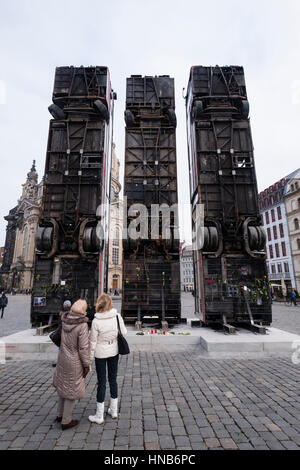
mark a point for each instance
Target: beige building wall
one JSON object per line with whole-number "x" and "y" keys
{"x": 22, "y": 267}
{"x": 292, "y": 202}
{"x": 116, "y": 227}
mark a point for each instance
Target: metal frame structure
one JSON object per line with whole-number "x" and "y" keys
{"x": 72, "y": 237}
{"x": 151, "y": 268}
{"x": 231, "y": 285}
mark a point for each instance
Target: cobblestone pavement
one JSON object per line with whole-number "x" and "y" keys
{"x": 286, "y": 317}
{"x": 178, "y": 401}
{"x": 16, "y": 315}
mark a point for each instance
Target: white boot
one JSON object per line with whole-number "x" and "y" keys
{"x": 113, "y": 408}
{"x": 98, "y": 417}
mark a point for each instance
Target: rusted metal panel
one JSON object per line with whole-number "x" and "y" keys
{"x": 222, "y": 178}
{"x": 71, "y": 259}
{"x": 151, "y": 270}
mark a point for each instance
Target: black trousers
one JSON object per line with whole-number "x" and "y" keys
{"x": 2, "y": 308}
{"x": 111, "y": 363}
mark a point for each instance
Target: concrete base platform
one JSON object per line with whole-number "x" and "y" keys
{"x": 245, "y": 341}
{"x": 26, "y": 344}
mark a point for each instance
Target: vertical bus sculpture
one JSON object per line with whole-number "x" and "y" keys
{"x": 230, "y": 270}
{"x": 71, "y": 240}
{"x": 151, "y": 269}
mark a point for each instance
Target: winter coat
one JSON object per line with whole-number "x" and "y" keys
{"x": 104, "y": 334}
{"x": 73, "y": 357}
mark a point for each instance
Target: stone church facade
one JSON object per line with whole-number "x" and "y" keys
{"x": 19, "y": 251}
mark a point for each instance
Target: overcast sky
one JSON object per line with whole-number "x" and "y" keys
{"x": 153, "y": 37}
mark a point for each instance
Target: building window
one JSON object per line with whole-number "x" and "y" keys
{"x": 299, "y": 203}
{"x": 271, "y": 251}
{"x": 267, "y": 218}
{"x": 293, "y": 205}
{"x": 279, "y": 267}
{"x": 281, "y": 231}
{"x": 298, "y": 243}
{"x": 286, "y": 268}
{"x": 269, "y": 234}
{"x": 292, "y": 187}
{"x": 116, "y": 238}
{"x": 283, "y": 249}
{"x": 296, "y": 223}
{"x": 275, "y": 232}
{"x": 279, "y": 212}
{"x": 273, "y": 269}
{"x": 273, "y": 215}
{"x": 277, "y": 250}
{"x": 115, "y": 256}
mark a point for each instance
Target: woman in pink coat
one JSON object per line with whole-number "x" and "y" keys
{"x": 73, "y": 362}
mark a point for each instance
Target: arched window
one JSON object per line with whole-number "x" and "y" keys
{"x": 292, "y": 187}
{"x": 25, "y": 242}
{"x": 296, "y": 223}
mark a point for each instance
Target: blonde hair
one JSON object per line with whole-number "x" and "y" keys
{"x": 80, "y": 306}
{"x": 104, "y": 303}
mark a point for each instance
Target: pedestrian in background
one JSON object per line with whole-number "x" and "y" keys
{"x": 3, "y": 303}
{"x": 73, "y": 362}
{"x": 293, "y": 298}
{"x": 104, "y": 348}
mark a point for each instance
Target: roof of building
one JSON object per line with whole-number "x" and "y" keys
{"x": 274, "y": 194}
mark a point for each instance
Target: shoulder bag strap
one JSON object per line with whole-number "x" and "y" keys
{"x": 118, "y": 324}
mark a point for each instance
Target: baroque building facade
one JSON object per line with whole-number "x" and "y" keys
{"x": 116, "y": 227}
{"x": 292, "y": 203}
{"x": 186, "y": 268}
{"x": 19, "y": 251}
{"x": 274, "y": 212}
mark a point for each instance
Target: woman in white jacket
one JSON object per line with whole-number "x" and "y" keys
{"x": 104, "y": 348}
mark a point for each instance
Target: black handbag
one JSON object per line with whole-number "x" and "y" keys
{"x": 55, "y": 336}
{"x": 122, "y": 343}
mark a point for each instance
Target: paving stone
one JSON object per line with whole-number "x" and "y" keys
{"x": 150, "y": 436}
{"x": 4, "y": 445}
{"x": 178, "y": 431}
{"x": 275, "y": 445}
{"x": 228, "y": 443}
{"x": 31, "y": 445}
{"x": 164, "y": 429}
{"x": 290, "y": 445}
{"x": 47, "y": 444}
{"x": 166, "y": 442}
{"x": 152, "y": 446}
{"x": 207, "y": 432}
{"x": 198, "y": 446}
{"x": 182, "y": 441}
{"x": 212, "y": 442}
{"x": 106, "y": 445}
{"x": 245, "y": 446}
{"x": 136, "y": 441}
{"x": 76, "y": 445}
